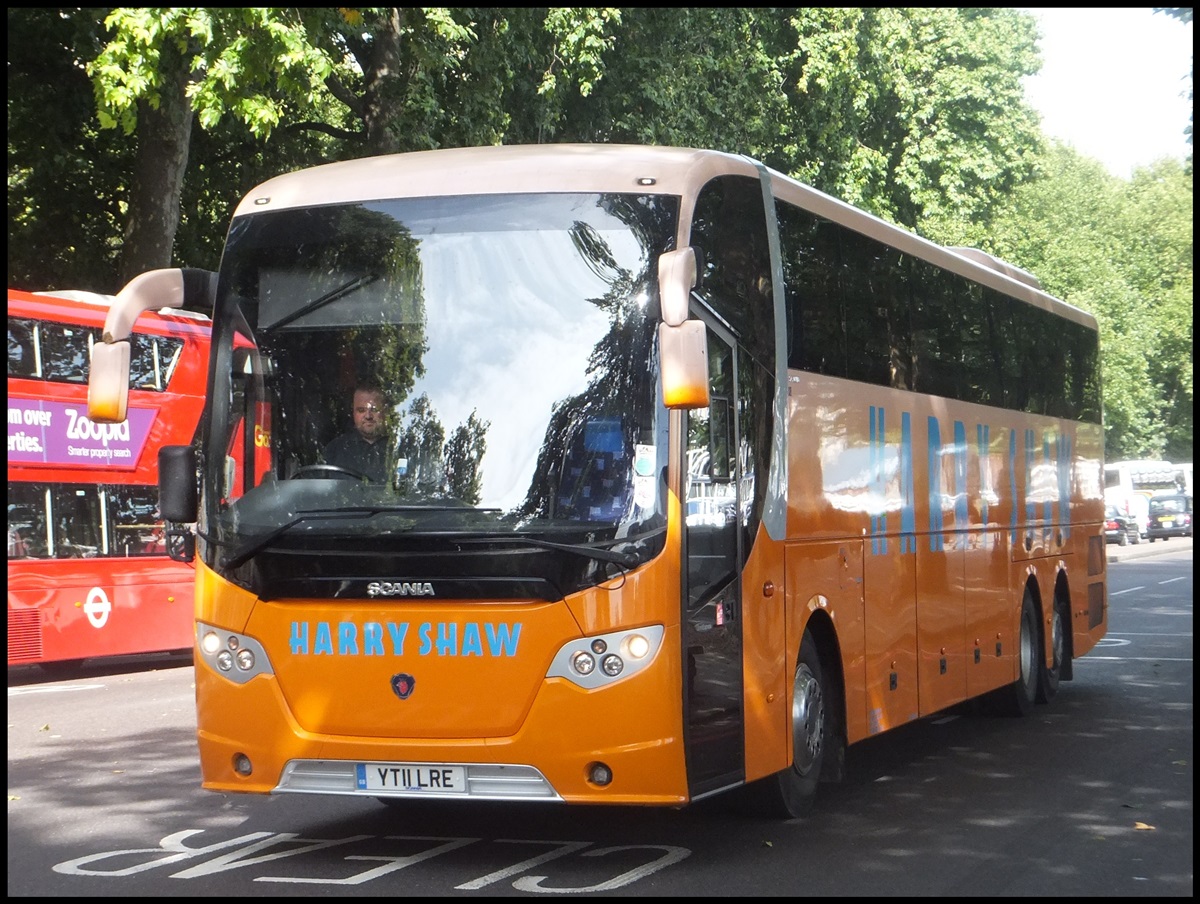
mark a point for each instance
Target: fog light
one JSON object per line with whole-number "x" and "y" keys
{"x": 245, "y": 659}
{"x": 225, "y": 660}
{"x": 583, "y": 663}
{"x": 599, "y": 774}
{"x": 241, "y": 764}
{"x": 210, "y": 643}
{"x": 599, "y": 646}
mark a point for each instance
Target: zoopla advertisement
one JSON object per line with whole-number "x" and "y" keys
{"x": 59, "y": 433}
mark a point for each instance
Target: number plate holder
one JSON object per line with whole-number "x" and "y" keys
{"x": 411, "y": 778}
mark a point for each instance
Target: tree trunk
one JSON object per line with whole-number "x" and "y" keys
{"x": 156, "y": 185}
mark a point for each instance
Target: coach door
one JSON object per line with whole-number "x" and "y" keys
{"x": 712, "y": 622}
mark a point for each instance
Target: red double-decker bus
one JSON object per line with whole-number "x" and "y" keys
{"x": 88, "y": 573}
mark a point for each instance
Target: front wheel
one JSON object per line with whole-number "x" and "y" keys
{"x": 791, "y": 792}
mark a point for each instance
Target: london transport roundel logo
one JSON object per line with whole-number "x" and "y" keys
{"x": 97, "y": 607}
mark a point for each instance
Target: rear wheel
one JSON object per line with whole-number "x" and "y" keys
{"x": 1018, "y": 698}
{"x": 791, "y": 792}
{"x": 1123, "y": 539}
{"x": 1050, "y": 675}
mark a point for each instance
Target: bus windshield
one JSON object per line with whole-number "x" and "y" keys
{"x": 508, "y": 341}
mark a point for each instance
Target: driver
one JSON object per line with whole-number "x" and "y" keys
{"x": 363, "y": 450}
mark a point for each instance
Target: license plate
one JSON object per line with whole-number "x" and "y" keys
{"x": 1167, "y": 522}
{"x": 412, "y": 777}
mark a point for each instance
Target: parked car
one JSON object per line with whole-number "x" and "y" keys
{"x": 1170, "y": 516}
{"x": 1134, "y": 506}
{"x": 1120, "y": 529}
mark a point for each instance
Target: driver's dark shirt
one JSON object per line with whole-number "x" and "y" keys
{"x": 354, "y": 453}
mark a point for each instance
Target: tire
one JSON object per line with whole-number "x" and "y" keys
{"x": 1018, "y": 698}
{"x": 1049, "y": 676}
{"x": 1134, "y": 537}
{"x": 1123, "y": 540}
{"x": 791, "y": 792}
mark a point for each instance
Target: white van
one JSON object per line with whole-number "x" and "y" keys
{"x": 1129, "y": 485}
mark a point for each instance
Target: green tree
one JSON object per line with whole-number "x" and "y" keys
{"x": 1121, "y": 251}
{"x": 65, "y": 211}
{"x": 917, "y": 115}
{"x": 164, "y": 65}
{"x": 1155, "y": 232}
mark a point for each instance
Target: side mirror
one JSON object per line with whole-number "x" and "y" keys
{"x": 683, "y": 358}
{"x": 676, "y": 279}
{"x": 108, "y": 371}
{"x": 178, "y": 492}
{"x": 108, "y": 382}
{"x": 178, "y": 499}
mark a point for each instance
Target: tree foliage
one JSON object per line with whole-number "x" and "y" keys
{"x": 1123, "y": 252}
{"x": 915, "y": 114}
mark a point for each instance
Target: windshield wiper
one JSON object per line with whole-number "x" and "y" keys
{"x": 624, "y": 559}
{"x": 319, "y": 302}
{"x": 248, "y": 549}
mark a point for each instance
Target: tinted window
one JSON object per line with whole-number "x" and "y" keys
{"x": 60, "y": 353}
{"x": 862, "y": 310}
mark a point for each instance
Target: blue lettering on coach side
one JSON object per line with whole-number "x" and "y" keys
{"x": 1065, "y": 445}
{"x": 908, "y": 501}
{"x": 1012, "y": 487}
{"x": 1048, "y": 505}
{"x": 983, "y": 456}
{"x": 960, "y": 477}
{"x": 1030, "y": 452}
{"x": 436, "y": 639}
{"x": 936, "y": 540}
{"x": 877, "y": 462}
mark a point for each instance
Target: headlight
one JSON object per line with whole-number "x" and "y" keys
{"x": 619, "y": 654}
{"x": 237, "y": 657}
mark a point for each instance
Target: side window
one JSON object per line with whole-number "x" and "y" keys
{"x": 136, "y": 528}
{"x": 76, "y": 522}
{"x": 729, "y": 233}
{"x": 27, "y": 537}
{"x": 876, "y": 290}
{"x": 711, "y": 503}
{"x": 813, "y": 292}
{"x": 152, "y": 360}
{"x": 65, "y": 352}
{"x": 22, "y": 348}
